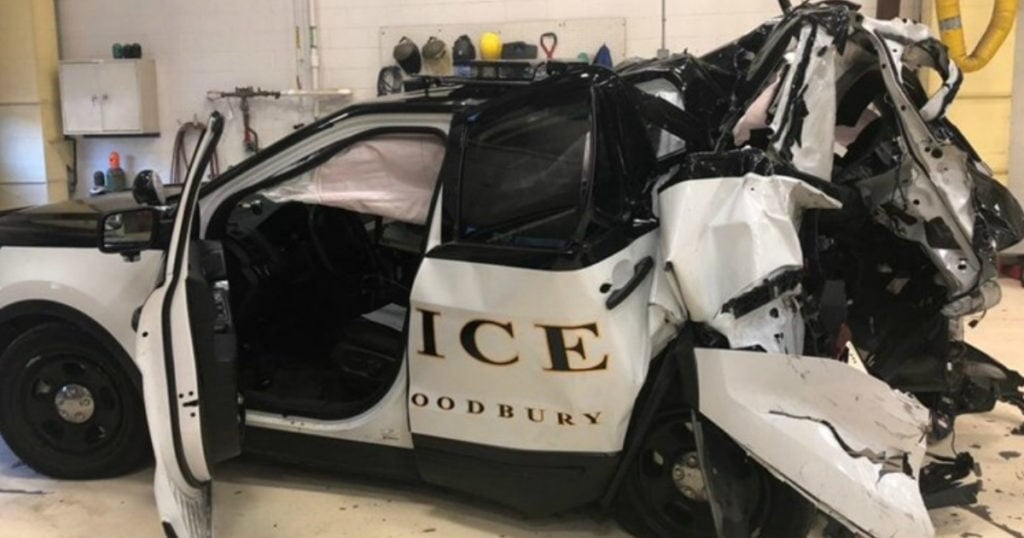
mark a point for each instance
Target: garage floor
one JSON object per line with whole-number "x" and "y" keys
{"x": 258, "y": 500}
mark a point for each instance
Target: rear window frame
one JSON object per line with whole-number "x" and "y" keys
{"x": 583, "y": 185}
{"x": 596, "y": 235}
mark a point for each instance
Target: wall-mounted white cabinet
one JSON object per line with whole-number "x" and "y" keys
{"x": 109, "y": 97}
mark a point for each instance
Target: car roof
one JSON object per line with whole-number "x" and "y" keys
{"x": 440, "y": 96}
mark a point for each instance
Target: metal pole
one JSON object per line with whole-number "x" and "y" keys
{"x": 314, "y": 52}
{"x": 663, "y": 51}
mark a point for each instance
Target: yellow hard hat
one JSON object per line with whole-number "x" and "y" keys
{"x": 490, "y": 46}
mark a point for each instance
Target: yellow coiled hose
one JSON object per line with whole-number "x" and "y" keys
{"x": 952, "y": 31}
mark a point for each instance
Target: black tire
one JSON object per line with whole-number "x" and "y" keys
{"x": 650, "y": 505}
{"x": 105, "y": 434}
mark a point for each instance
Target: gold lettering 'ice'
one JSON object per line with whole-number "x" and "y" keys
{"x": 566, "y": 347}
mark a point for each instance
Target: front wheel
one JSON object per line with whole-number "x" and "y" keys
{"x": 664, "y": 493}
{"x": 67, "y": 409}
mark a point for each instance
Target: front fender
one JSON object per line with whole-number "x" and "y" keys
{"x": 103, "y": 287}
{"x": 843, "y": 439}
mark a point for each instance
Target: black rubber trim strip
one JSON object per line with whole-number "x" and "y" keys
{"x": 326, "y": 454}
{"x": 187, "y": 213}
{"x": 533, "y": 482}
{"x": 765, "y": 292}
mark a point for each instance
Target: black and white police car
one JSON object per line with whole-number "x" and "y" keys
{"x": 546, "y": 294}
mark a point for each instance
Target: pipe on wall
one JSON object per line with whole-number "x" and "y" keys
{"x": 314, "y": 52}
{"x": 1004, "y": 13}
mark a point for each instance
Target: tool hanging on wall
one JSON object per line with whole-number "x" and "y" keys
{"x": 181, "y": 157}
{"x": 548, "y": 43}
{"x": 251, "y": 139}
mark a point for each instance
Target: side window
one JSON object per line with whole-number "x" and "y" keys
{"x": 524, "y": 173}
{"x": 391, "y": 176}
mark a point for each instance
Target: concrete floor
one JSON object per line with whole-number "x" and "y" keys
{"x": 258, "y": 500}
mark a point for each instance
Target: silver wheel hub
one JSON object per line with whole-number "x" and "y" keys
{"x": 689, "y": 477}
{"x": 74, "y": 403}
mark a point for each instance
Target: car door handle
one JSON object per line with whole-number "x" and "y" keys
{"x": 640, "y": 272}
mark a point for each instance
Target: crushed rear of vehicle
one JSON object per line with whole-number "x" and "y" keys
{"x": 816, "y": 202}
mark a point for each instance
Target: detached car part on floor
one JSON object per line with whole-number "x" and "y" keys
{"x": 637, "y": 287}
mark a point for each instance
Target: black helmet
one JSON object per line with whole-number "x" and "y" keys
{"x": 463, "y": 49}
{"x": 407, "y": 54}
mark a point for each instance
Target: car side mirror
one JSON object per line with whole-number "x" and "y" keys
{"x": 130, "y": 231}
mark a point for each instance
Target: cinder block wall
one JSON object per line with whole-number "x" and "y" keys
{"x": 201, "y": 45}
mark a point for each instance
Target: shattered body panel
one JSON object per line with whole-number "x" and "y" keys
{"x": 802, "y": 418}
{"x": 820, "y": 198}
{"x": 721, "y": 220}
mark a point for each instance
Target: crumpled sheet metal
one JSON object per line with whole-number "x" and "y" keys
{"x": 724, "y": 236}
{"x": 843, "y": 439}
{"x": 804, "y": 127}
{"x": 797, "y": 105}
{"x": 898, "y": 33}
{"x": 935, "y": 184}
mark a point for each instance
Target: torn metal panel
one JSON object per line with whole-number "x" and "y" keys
{"x": 766, "y": 316}
{"x": 804, "y": 120}
{"x": 844, "y": 439}
{"x": 934, "y": 187}
{"x": 709, "y": 224}
{"x": 911, "y": 44}
{"x": 835, "y": 99}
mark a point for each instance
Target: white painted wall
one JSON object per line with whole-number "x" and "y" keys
{"x": 219, "y": 44}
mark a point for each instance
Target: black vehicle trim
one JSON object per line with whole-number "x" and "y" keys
{"x": 41, "y": 226}
{"x": 533, "y": 482}
{"x": 329, "y": 454}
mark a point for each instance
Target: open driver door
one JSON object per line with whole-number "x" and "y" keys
{"x": 185, "y": 349}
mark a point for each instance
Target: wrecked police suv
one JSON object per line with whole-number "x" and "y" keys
{"x": 643, "y": 289}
